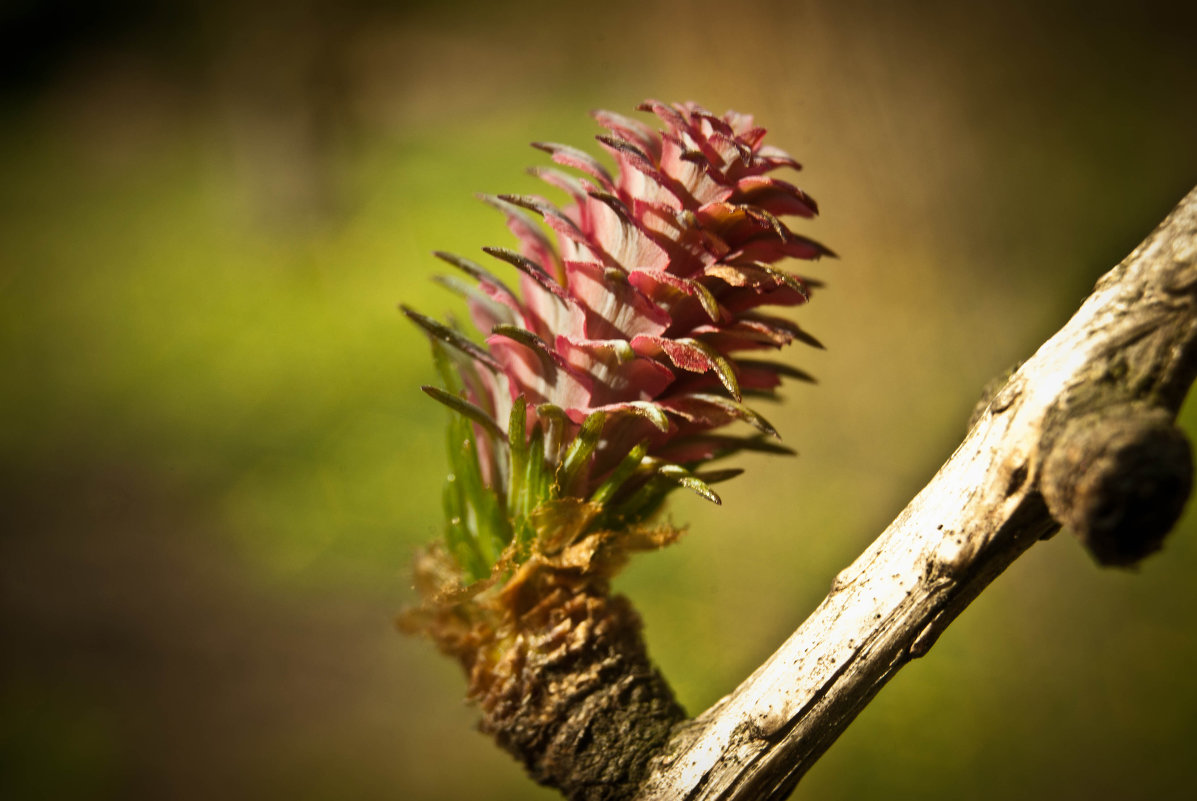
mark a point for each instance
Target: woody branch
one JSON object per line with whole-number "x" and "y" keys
{"x": 1081, "y": 435}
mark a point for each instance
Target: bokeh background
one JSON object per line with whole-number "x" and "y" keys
{"x": 215, "y": 461}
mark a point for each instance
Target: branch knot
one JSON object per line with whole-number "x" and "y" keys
{"x": 1118, "y": 478}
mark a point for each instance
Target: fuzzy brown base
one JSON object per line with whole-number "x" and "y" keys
{"x": 561, "y": 675}
{"x": 574, "y": 696}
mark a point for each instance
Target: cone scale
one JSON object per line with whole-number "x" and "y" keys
{"x": 615, "y": 343}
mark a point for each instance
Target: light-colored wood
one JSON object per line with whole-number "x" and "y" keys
{"x": 1133, "y": 342}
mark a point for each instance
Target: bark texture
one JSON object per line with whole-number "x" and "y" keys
{"x": 557, "y": 667}
{"x": 574, "y": 696}
{"x": 1081, "y": 434}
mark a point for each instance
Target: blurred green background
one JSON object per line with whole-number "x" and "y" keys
{"x": 215, "y": 461}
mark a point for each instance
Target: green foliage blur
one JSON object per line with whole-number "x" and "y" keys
{"x": 215, "y": 460}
